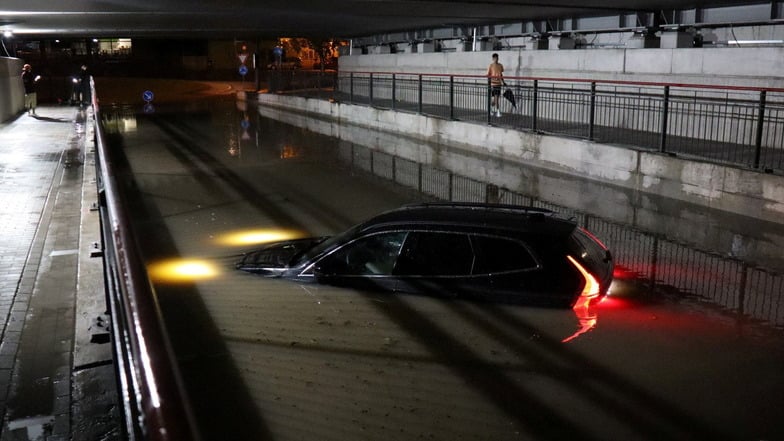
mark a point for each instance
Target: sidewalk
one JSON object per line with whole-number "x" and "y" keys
{"x": 51, "y": 375}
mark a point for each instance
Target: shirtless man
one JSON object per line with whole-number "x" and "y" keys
{"x": 496, "y": 74}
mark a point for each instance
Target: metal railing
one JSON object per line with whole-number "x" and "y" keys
{"x": 742, "y": 126}
{"x": 149, "y": 384}
{"x": 312, "y": 83}
{"x": 660, "y": 263}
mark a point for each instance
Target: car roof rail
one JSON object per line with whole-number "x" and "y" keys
{"x": 479, "y": 206}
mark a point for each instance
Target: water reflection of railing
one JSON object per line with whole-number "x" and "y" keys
{"x": 733, "y": 125}
{"x": 661, "y": 263}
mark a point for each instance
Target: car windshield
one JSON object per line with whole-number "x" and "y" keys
{"x": 330, "y": 242}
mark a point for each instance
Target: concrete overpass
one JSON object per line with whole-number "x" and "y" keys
{"x": 346, "y": 19}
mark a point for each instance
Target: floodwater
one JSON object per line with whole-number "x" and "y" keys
{"x": 689, "y": 346}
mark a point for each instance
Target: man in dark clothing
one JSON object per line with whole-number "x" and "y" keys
{"x": 29, "y": 80}
{"x": 84, "y": 87}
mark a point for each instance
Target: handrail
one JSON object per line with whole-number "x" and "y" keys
{"x": 582, "y": 80}
{"x": 153, "y": 398}
{"x": 737, "y": 125}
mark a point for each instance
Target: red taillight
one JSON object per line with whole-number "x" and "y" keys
{"x": 590, "y": 289}
{"x": 594, "y": 238}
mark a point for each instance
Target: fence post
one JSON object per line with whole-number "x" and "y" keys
{"x": 592, "y": 114}
{"x": 451, "y": 97}
{"x": 760, "y": 126}
{"x": 419, "y": 178}
{"x": 451, "y": 182}
{"x": 370, "y": 89}
{"x": 535, "y": 105}
{"x": 351, "y": 87}
{"x": 489, "y": 100}
{"x": 394, "y": 86}
{"x": 419, "y": 99}
{"x": 665, "y": 114}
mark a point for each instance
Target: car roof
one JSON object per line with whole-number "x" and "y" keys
{"x": 473, "y": 216}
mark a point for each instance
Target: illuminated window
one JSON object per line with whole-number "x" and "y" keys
{"x": 115, "y": 46}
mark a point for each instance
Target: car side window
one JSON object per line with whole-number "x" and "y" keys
{"x": 499, "y": 255}
{"x": 435, "y": 254}
{"x": 370, "y": 255}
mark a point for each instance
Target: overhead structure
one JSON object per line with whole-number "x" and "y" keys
{"x": 348, "y": 19}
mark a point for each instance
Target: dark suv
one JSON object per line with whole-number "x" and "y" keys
{"x": 480, "y": 251}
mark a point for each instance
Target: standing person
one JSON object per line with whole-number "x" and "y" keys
{"x": 496, "y": 74}
{"x": 31, "y": 98}
{"x": 84, "y": 86}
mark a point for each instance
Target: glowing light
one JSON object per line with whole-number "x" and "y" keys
{"x": 590, "y": 289}
{"x": 289, "y": 152}
{"x": 8, "y": 34}
{"x": 252, "y": 237}
{"x": 595, "y": 239}
{"x": 587, "y": 318}
{"x": 182, "y": 271}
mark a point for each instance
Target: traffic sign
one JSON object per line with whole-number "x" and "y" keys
{"x": 242, "y": 58}
{"x": 148, "y": 96}
{"x": 243, "y": 70}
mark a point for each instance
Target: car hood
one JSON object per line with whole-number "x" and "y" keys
{"x": 277, "y": 254}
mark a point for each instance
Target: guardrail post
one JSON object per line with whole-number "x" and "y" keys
{"x": 370, "y": 89}
{"x": 665, "y": 114}
{"x": 592, "y": 114}
{"x": 451, "y": 97}
{"x": 419, "y": 99}
{"x": 760, "y": 127}
{"x": 535, "y": 105}
{"x": 394, "y": 87}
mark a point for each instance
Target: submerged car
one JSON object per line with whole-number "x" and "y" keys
{"x": 505, "y": 253}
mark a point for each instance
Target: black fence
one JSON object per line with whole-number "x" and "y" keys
{"x": 662, "y": 264}
{"x": 732, "y": 125}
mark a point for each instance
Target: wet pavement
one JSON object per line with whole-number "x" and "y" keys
{"x": 46, "y": 310}
{"x": 688, "y": 347}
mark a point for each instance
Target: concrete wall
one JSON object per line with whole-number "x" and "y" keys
{"x": 11, "y": 88}
{"x": 733, "y": 190}
{"x": 731, "y": 66}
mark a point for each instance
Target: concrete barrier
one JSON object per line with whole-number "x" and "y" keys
{"x": 730, "y": 189}
{"x": 11, "y": 88}
{"x": 729, "y": 66}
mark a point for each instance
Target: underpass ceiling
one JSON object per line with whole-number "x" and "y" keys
{"x": 267, "y": 18}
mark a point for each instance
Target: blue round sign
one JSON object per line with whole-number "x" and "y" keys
{"x": 243, "y": 70}
{"x": 277, "y": 50}
{"x": 245, "y": 124}
{"x": 148, "y": 95}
